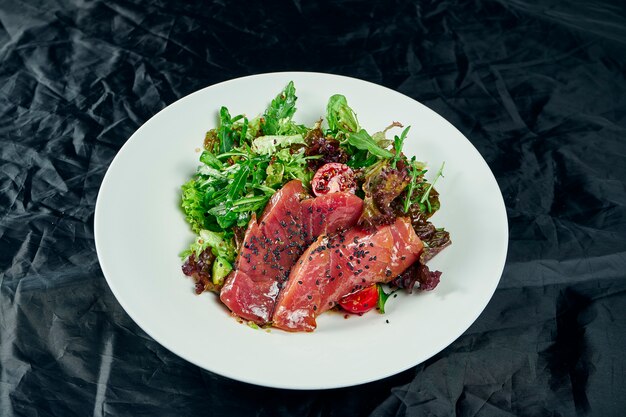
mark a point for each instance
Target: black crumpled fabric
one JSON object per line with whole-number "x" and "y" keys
{"x": 538, "y": 87}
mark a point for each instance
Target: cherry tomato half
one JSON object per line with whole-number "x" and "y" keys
{"x": 360, "y": 301}
{"x": 333, "y": 177}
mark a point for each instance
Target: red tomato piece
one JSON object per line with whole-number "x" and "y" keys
{"x": 360, "y": 301}
{"x": 333, "y": 177}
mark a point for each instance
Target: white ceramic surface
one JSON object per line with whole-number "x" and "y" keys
{"x": 140, "y": 230}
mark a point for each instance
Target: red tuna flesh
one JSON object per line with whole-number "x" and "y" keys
{"x": 323, "y": 213}
{"x": 337, "y": 265}
{"x": 272, "y": 245}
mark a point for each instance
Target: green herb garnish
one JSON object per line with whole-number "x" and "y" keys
{"x": 382, "y": 298}
{"x": 430, "y": 187}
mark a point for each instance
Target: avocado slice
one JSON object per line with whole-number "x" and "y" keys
{"x": 221, "y": 268}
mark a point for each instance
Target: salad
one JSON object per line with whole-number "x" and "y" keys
{"x": 293, "y": 220}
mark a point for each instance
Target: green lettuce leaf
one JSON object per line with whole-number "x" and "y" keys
{"x": 362, "y": 140}
{"x": 267, "y": 145}
{"x": 340, "y": 117}
{"x": 220, "y": 245}
{"x": 194, "y": 204}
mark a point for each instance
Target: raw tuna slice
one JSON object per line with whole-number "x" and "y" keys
{"x": 273, "y": 245}
{"x": 335, "y": 266}
{"x": 250, "y": 290}
{"x": 324, "y": 212}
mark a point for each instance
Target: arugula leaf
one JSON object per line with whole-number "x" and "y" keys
{"x": 421, "y": 199}
{"x": 209, "y": 159}
{"x": 225, "y": 132}
{"x": 224, "y": 215}
{"x": 432, "y": 184}
{"x": 250, "y": 204}
{"x": 362, "y": 140}
{"x": 244, "y": 130}
{"x": 239, "y": 182}
{"x": 282, "y": 107}
{"x": 340, "y": 117}
{"x": 415, "y": 172}
{"x": 398, "y": 142}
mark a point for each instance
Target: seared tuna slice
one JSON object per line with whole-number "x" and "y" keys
{"x": 337, "y": 265}
{"x": 272, "y": 246}
{"x": 322, "y": 214}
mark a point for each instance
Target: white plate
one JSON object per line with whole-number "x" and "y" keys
{"x": 140, "y": 230}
